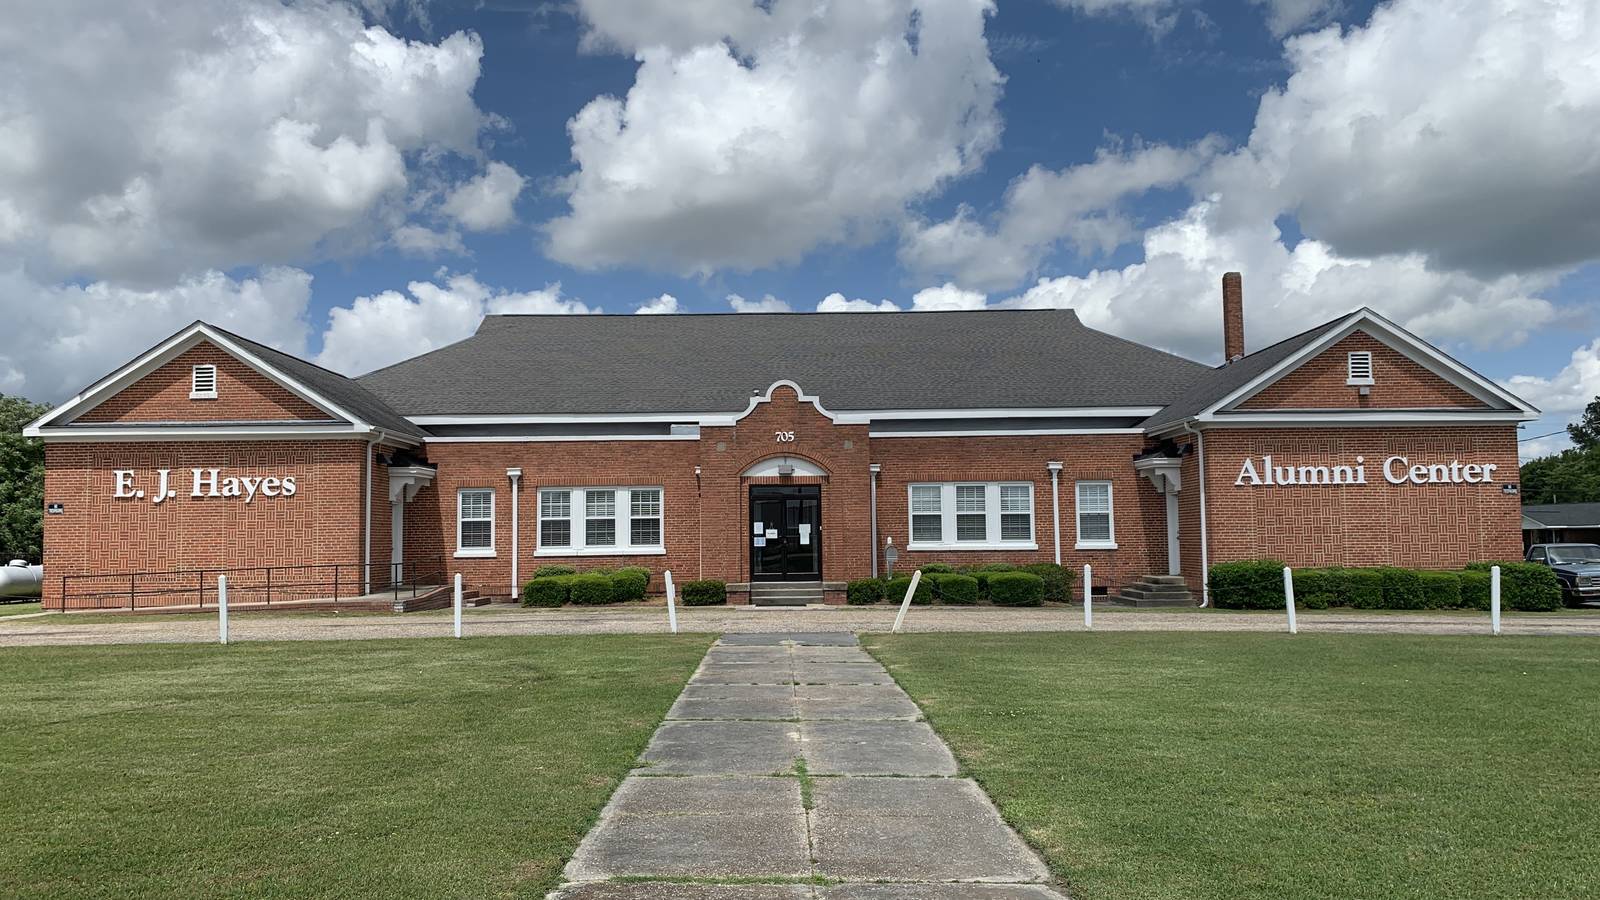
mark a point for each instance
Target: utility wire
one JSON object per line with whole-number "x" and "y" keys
{"x": 1537, "y": 436}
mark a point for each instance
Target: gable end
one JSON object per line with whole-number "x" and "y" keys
{"x": 1398, "y": 382}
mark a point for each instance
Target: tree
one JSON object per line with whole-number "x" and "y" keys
{"x": 1571, "y": 476}
{"x": 1585, "y": 432}
{"x": 21, "y": 482}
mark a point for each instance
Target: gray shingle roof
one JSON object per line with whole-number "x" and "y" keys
{"x": 993, "y": 359}
{"x": 1568, "y": 515}
{"x": 339, "y": 390}
{"x": 1221, "y": 381}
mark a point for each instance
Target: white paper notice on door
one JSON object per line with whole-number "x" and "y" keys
{"x": 758, "y": 541}
{"x": 805, "y": 533}
{"x": 772, "y": 533}
{"x": 755, "y": 528}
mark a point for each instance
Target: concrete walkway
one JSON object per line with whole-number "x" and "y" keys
{"x": 58, "y": 629}
{"x": 794, "y": 768}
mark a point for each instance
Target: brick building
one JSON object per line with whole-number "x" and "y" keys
{"x": 786, "y": 449}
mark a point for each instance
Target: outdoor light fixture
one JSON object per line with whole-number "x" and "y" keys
{"x": 786, "y": 470}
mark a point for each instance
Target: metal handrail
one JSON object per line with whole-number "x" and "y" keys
{"x": 332, "y": 581}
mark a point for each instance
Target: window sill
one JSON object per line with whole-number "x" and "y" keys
{"x": 476, "y": 554}
{"x": 1360, "y": 382}
{"x": 202, "y": 395}
{"x": 601, "y": 551}
{"x": 974, "y": 545}
{"x": 1095, "y": 545}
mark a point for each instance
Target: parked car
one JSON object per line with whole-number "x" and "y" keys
{"x": 1578, "y": 567}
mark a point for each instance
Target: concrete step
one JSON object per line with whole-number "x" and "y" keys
{"x": 1148, "y": 602}
{"x": 785, "y": 593}
{"x": 1144, "y": 593}
{"x": 1164, "y": 579}
{"x": 1159, "y": 588}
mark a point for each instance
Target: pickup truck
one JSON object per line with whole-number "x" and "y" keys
{"x": 1578, "y": 567}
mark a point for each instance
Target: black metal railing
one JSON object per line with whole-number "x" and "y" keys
{"x": 264, "y": 585}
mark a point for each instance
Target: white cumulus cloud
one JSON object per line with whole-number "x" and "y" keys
{"x": 382, "y": 329}
{"x": 836, "y": 302}
{"x": 488, "y": 201}
{"x": 1564, "y": 395}
{"x": 139, "y": 142}
{"x": 767, "y": 304}
{"x": 666, "y": 304}
{"x": 753, "y": 134}
{"x": 947, "y": 297}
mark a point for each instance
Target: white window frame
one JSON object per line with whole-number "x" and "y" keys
{"x": 195, "y": 393}
{"x": 991, "y": 509}
{"x": 541, "y": 518}
{"x": 577, "y": 511}
{"x": 1350, "y": 367}
{"x": 1078, "y": 513}
{"x": 475, "y": 552}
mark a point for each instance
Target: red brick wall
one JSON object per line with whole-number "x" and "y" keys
{"x": 1138, "y": 512}
{"x": 1398, "y": 383}
{"x": 98, "y": 534}
{"x": 243, "y": 394}
{"x": 1425, "y": 526}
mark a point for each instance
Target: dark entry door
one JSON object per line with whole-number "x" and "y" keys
{"x": 785, "y": 532}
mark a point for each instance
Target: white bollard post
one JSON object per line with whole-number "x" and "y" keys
{"x": 222, "y": 609}
{"x": 672, "y": 604}
{"x": 916, "y": 579}
{"x": 1494, "y": 599}
{"x": 1288, "y": 598}
{"x": 1088, "y": 598}
{"x": 458, "y": 604}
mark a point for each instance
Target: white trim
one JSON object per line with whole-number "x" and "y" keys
{"x": 1298, "y": 418}
{"x": 601, "y": 551}
{"x": 768, "y": 468}
{"x": 69, "y": 434}
{"x": 973, "y": 545}
{"x": 848, "y": 417}
{"x": 476, "y": 552}
{"x": 1003, "y": 432}
{"x": 1110, "y": 543}
{"x": 534, "y": 439}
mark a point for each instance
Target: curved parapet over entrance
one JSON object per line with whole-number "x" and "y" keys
{"x": 784, "y": 465}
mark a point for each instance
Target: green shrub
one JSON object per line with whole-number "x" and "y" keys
{"x": 554, "y": 571}
{"x": 936, "y": 569}
{"x": 1016, "y": 589}
{"x": 1247, "y": 584}
{"x": 550, "y": 590}
{"x": 1402, "y": 588}
{"x": 630, "y": 584}
{"x": 863, "y": 591}
{"x": 994, "y": 567}
{"x": 705, "y": 593}
{"x": 1310, "y": 582}
{"x": 591, "y": 589}
{"x": 1475, "y": 589}
{"x": 1440, "y": 590}
{"x": 895, "y": 591}
{"x": 959, "y": 590}
{"x": 1318, "y": 600}
{"x": 1525, "y": 586}
{"x": 1361, "y": 588}
{"x": 1057, "y": 580}
{"x": 637, "y": 570}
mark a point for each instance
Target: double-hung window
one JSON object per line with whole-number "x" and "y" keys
{"x": 972, "y": 516}
{"x": 475, "y": 522}
{"x": 1094, "y": 516}
{"x": 600, "y": 521}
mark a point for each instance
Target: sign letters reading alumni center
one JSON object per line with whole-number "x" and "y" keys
{"x": 784, "y": 449}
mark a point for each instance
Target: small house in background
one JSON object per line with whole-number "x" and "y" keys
{"x": 1560, "y": 523}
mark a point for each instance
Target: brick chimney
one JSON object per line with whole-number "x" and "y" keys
{"x": 1232, "y": 316}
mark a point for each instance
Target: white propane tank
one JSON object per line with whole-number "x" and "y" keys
{"x": 18, "y": 579}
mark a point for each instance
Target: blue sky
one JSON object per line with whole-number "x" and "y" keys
{"x": 360, "y": 183}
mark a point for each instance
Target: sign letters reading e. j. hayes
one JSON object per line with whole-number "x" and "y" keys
{"x": 204, "y": 483}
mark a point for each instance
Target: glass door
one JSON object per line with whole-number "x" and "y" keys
{"x": 785, "y": 532}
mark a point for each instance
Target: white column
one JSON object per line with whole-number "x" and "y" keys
{"x": 1055, "y": 505}
{"x": 397, "y": 537}
{"x": 516, "y": 544}
{"x": 1174, "y": 562}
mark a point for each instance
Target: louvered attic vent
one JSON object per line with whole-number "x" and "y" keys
{"x": 203, "y": 383}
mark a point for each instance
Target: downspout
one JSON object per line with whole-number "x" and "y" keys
{"x": 1055, "y": 505}
{"x": 1205, "y": 553}
{"x": 872, "y": 507}
{"x": 516, "y": 545}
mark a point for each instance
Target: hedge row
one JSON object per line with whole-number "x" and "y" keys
{"x": 1002, "y": 584}
{"x": 558, "y": 585}
{"x": 1258, "y": 584}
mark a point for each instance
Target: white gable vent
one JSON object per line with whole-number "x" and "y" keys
{"x": 1359, "y": 367}
{"x": 203, "y": 383}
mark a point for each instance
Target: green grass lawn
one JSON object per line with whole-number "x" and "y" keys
{"x": 17, "y": 609}
{"x": 1265, "y": 766}
{"x": 416, "y": 768}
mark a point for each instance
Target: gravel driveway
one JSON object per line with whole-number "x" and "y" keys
{"x": 510, "y": 620}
